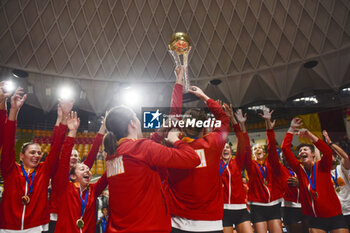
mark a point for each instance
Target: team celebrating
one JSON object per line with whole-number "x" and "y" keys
{"x": 178, "y": 180}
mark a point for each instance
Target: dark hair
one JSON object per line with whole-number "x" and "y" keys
{"x": 117, "y": 122}
{"x": 312, "y": 148}
{"x": 25, "y": 146}
{"x": 72, "y": 170}
{"x": 194, "y": 113}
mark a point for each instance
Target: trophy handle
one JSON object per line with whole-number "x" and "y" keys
{"x": 176, "y": 57}
{"x": 186, "y": 84}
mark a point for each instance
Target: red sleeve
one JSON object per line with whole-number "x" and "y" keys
{"x": 272, "y": 151}
{"x": 326, "y": 161}
{"x": 101, "y": 184}
{"x": 89, "y": 161}
{"x": 181, "y": 156}
{"x": 287, "y": 152}
{"x": 8, "y": 157}
{"x": 3, "y": 117}
{"x": 63, "y": 166}
{"x": 52, "y": 158}
{"x": 247, "y": 154}
{"x": 240, "y": 145}
{"x": 220, "y": 115}
{"x": 176, "y": 100}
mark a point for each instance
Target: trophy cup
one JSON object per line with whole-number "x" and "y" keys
{"x": 180, "y": 45}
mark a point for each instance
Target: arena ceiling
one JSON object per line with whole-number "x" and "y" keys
{"x": 256, "y": 48}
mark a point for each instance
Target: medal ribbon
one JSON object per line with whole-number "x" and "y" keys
{"x": 263, "y": 171}
{"x": 334, "y": 178}
{"x": 84, "y": 202}
{"x": 27, "y": 179}
{"x": 222, "y": 168}
{"x": 291, "y": 172}
{"x": 312, "y": 184}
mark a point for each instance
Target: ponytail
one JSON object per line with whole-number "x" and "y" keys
{"x": 110, "y": 143}
{"x": 117, "y": 123}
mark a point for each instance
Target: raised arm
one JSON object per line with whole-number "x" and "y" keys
{"x": 89, "y": 161}
{"x": 101, "y": 184}
{"x": 58, "y": 137}
{"x": 63, "y": 167}
{"x": 176, "y": 98}
{"x": 271, "y": 140}
{"x": 239, "y": 135}
{"x": 344, "y": 157}
{"x": 287, "y": 142}
{"x": 8, "y": 158}
{"x": 3, "y": 111}
{"x": 326, "y": 161}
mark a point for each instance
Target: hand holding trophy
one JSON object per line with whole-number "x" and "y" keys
{"x": 180, "y": 45}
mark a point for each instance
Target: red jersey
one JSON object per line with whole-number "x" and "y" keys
{"x": 197, "y": 193}
{"x": 17, "y": 216}
{"x": 264, "y": 189}
{"x": 69, "y": 193}
{"x": 234, "y": 192}
{"x": 291, "y": 193}
{"x": 3, "y": 118}
{"x": 136, "y": 201}
{"x": 323, "y": 201}
{"x": 89, "y": 161}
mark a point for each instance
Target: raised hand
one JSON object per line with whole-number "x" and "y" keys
{"x": 173, "y": 136}
{"x": 229, "y": 112}
{"x": 103, "y": 125}
{"x": 66, "y": 106}
{"x": 17, "y": 100}
{"x": 239, "y": 116}
{"x": 266, "y": 114}
{"x": 198, "y": 92}
{"x": 295, "y": 124}
{"x": 179, "y": 73}
{"x": 303, "y": 133}
{"x": 73, "y": 122}
{"x": 3, "y": 94}
{"x": 219, "y": 102}
{"x": 267, "y": 117}
{"x": 326, "y": 136}
{"x": 164, "y": 130}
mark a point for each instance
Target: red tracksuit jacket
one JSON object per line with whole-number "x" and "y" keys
{"x": 69, "y": 208}
{"x": 136, "y": 201}
{"x": 89, "y": 161}
{"x": 17, "y": 216}
{"x": 233, "y": 190}
{"x": 197, "y": 193}
{"x": 327, "y": 203}
{"x": 290, "y": 193}
{"x": 258, "y": 191}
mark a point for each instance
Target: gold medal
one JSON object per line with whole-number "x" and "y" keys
{"x": 265, "y": 182}
{"x": 80, "y": 223}
{"x": 316, "y": 195}
{"x": 25, "y": 200}
{"x": 337, "y": 189}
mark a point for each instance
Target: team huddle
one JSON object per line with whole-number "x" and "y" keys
{"x": 174, "y": 181}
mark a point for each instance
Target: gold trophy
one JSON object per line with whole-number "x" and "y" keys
{"x": 180, "y": 45}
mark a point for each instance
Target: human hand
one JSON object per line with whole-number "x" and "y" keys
{"x": 179, "y": 73}
{"x": 73, "y": 122}
{"x": 173, "y": 136}
{"x": 239, "y": 116}
{"x": 198, "y": 92}
{"x": 293, "y": 181}
{"x": 18, "y": 99}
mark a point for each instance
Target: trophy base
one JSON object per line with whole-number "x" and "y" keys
{"x": 189, "y": 97}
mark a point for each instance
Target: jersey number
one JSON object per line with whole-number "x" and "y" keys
{"x": 201, "y": 155}
{"x": 115, "y": 166}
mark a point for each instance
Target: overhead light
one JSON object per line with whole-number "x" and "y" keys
{"x": 215, "y": 82}
{"x": 66, "y": 93}
{"x": 19, "y": 73}
{"x": 130, "y": 97}
{"x": 347, "y": 89}
{"x": 310, "y": 64}
{"x": 258, "y": 107}
{"x": 9, "y": 86}
{"x": 309, "y": 99}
